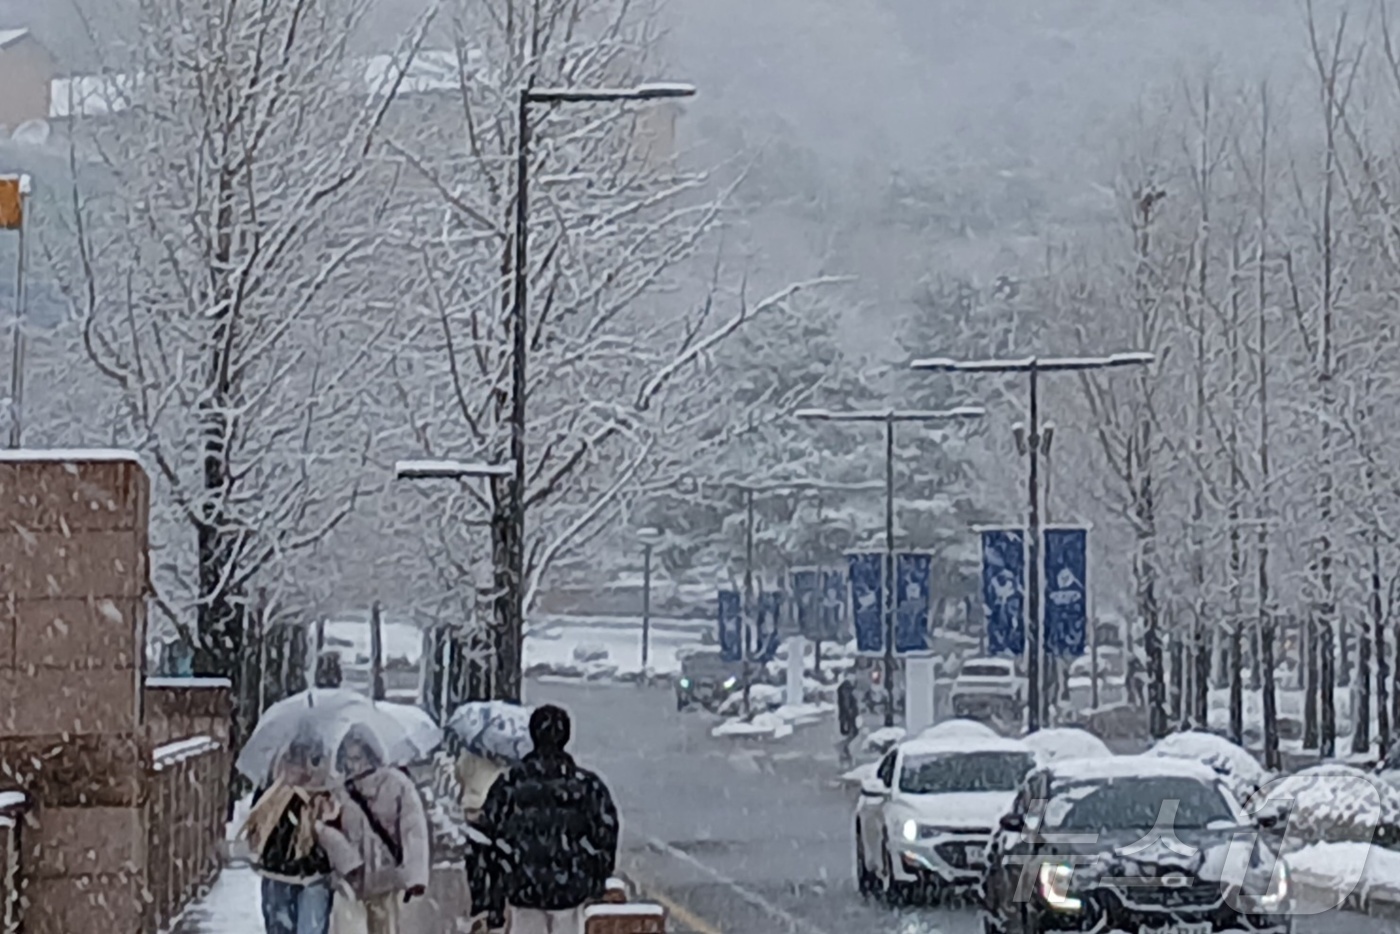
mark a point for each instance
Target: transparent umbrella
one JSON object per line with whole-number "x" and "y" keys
{"x": 323, "y": 716}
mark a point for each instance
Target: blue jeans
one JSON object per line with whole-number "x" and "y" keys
{"x": 296, "y": 909}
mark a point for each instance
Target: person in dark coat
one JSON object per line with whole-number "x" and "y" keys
{"x": 557, "y": 828}
{"x": 847, "y": 718}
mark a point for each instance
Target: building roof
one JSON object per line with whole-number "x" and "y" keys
{"x": 431, "y": 70}
{"x": 9, "y": 37}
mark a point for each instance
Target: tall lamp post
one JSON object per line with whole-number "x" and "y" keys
{"x": 1035, "y": 445}
{"x": 649, "y": 539}
{"x": 889, "y": 418}
{"x": 454, "y": 470}
{"x": 750, "y": 490}
{"x": 514, "y": 624}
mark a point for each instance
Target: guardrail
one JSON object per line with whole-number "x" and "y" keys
{"x": 187, "y": 798}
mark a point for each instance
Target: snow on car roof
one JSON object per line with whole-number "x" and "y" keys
{"x": 964, "y": 742}
{"x": 1141, "y": 766}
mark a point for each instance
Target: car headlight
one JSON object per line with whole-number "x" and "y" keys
{"x": 910, "y": 830}
{"x": 1276, "y": 893}
{"x": 1054, "y": 883}
{"x": 685, "y": 682}
{"x": 730, "y": 682}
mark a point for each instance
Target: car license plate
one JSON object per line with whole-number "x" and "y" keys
{"x": 1197, "y": 927}
{"x": 973, "y": 853}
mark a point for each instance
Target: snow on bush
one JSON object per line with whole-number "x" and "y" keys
{"x": 1241, "y": 771}
{"x": 1334, "y": 803}
{"x": 882, "y": 740}
{"x": 1066, "y": 743}
{"x": 590, "y": 652}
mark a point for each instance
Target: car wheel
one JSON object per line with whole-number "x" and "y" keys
{"x": 896, "y": 893}
{"x": 866, "y": 882}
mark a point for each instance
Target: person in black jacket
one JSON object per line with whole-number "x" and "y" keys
{"x": 848, "y": 718}
{"x": 556, "y": 827}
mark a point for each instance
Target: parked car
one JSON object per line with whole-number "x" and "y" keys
{"x": 1083, "y": 848}
{"x": 923, "y": 822}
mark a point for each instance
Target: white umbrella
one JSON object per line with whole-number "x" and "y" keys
{"x": 322, "y": 717}
{"x": 423, "y": 733}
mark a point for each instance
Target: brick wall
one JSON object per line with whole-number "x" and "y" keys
{"x": 72, "y": 623}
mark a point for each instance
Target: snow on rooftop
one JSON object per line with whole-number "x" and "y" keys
{"x": 8, "y": 36}
{"x": 1140, "y": 766}
{"x": 70, "y": 455}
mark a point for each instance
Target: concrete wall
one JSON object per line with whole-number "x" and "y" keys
{"x": 72, "y": 623}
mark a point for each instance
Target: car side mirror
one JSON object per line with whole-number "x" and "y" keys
{"x": 1268, "y": 817}
{"x": 1013, "y": 823}
{"x": 874, "y": 788}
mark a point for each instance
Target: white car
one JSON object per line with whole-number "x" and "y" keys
{"x": 988, "y": 687}
{"x": 923, "y": 822}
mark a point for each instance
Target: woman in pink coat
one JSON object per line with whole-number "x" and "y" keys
{"x": 378, "y": 841}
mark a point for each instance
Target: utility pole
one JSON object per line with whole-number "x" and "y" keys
{"x": 889, "y": 418}
{"x": 14, "y": 193}
{"x": 376, "y": 653}
{"x": 1035, "y": 447}
{"x": 649, "y": 538}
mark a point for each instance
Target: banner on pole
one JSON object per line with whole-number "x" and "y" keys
{"x": 1004, "y": 589}
{"x": 805, "y": 583}
{"x": 1066, "y": 596}
{"x": 911, "y": 599}
{"x": 731, "y": 625}
{"x": 766, "y": 633}
{"x": 832, "y": 621}
{"x": 867, "y": 600}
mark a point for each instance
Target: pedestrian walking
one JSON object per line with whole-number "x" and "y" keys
{"x": 847, "y": 718}
{"x": 378, "y": 840}
{"x": 556, "y": 824}
{"x": 295, "y": 869}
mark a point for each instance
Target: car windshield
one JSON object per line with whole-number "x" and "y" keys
{"x": 950, "y": 773}
{"x": 1140, "y": 803}
{"x": 986, "y": 671}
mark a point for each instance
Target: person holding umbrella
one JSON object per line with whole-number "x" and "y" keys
{"x": 280, "y": 830}
{"x": 377, "y": 837}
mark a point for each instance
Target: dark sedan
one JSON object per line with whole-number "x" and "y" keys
{"x": 1133, "y": 843}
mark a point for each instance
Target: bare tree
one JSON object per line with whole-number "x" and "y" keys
{"x": 220, "y": 232}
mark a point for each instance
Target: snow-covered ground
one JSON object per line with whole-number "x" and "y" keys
{"x": 614, "y": 642}
{"x": 351, "y": 638}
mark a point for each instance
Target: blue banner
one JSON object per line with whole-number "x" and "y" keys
{"x": 911, "y": 600}
{"x": 765, "y": 635}
{"x": 806, "y": 600}
{"x": 731, "y": 626}
{"x": 833, "y": 607}
{"x": 1066, "y": 597}
{"x": 867, "y": 600}
{"x": 1004, "y": 590}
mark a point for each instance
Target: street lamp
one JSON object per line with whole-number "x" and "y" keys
{"x": 1035, "y": 444}
{"x": 451, "y": 470}
{"x": 513, "y": 629}
{"x": 750, "y": 490}
{"x": 649, "y": 538}
{"x": 889, "y": 418}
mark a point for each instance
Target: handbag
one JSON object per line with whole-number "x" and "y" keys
{"x": 348, "y": 915}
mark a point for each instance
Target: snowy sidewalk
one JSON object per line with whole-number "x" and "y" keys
{"x": 234, "y": 906}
